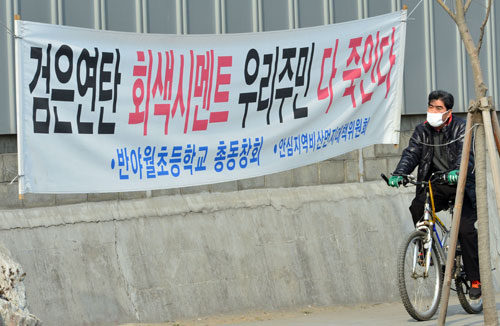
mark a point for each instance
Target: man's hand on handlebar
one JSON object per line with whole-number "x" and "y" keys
{"x": 452, "y": 177}
{"x": 395, "y": 181}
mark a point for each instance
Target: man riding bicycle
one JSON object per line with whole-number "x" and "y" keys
{"x": 436, "y": 145}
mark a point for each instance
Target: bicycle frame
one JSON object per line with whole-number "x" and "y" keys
{"x": 428, "y": 225}
{"x": 420, "y": 284}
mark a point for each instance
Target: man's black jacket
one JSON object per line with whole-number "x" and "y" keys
{"x": 418, "y": 153}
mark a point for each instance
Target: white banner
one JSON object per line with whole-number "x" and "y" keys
{"x": 103, "y": 111}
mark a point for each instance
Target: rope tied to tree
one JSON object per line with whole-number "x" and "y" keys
{"x": 483, "y": 104}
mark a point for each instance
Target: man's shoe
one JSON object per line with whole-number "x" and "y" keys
{"x": 475, "y": 290}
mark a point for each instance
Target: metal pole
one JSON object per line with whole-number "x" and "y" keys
{"x": 20, "y": 162}
{"x": 457, "y": 213}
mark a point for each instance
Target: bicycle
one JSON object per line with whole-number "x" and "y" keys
{"x": 422, "y": 259}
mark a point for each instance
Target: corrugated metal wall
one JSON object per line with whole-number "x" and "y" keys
{"x": 435, "y": 57}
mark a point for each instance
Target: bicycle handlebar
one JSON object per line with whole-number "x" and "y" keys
{"x": 386, "y": 179}
{"x": 407, "y": 178}
{"x": 439, "y": 176}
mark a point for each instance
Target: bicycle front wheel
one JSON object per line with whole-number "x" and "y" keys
{"x": 420, "y": 291}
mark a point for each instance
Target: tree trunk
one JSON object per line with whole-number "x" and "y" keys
{"x": 480, "y": 88}
{"x": 492, "y": 153}
{"x": 457, "y": 213}
{"x": 490, "y": 313}
{"x": 489, "y": 303}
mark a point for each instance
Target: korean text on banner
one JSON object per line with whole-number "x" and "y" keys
{"x": 103, "y": 111}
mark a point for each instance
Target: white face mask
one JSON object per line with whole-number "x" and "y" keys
{"x": 435, "y": 119}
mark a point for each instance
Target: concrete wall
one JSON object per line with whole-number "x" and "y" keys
{"x": 163, "y": 258}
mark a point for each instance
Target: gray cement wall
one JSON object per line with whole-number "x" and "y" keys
{"x": 163, "y": 258}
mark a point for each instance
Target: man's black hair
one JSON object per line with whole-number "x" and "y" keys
{"x": 444, "y": 96}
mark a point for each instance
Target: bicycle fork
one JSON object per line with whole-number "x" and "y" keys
{"x": 425, "y": 226}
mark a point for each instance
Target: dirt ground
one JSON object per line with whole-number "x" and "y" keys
{"x": 254, "y": 316}
{"x": 384, "y": 314}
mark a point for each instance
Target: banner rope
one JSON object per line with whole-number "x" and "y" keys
{"x": 411, "y": 12}
{"x": 9, "y": 31}
{"x": 15, "y": 178}
{"x": 16, "y": 175}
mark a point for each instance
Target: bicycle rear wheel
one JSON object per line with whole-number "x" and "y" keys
{"x": 420, "y": 292}
{"x": 463, "y": 286}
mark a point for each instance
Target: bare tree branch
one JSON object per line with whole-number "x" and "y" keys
{"x": 445, "y": 7}
{"x": 481, "y": 34}
{"x": 467, "y": 5}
